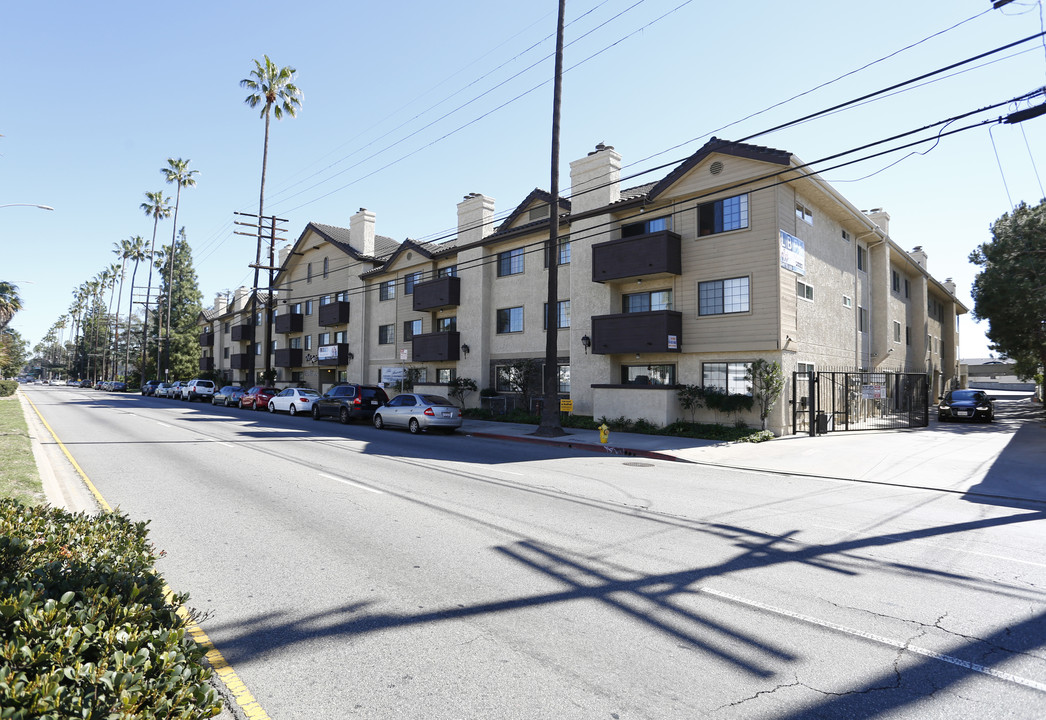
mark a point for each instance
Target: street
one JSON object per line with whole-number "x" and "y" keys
{"x": 349, "y": 572}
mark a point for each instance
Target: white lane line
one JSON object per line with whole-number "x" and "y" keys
{"x": 940, "y": 547}
{"x": 1033, "y": 684}
{"x": 162, "y": 424}
{"x": 226, "y": 444}
{"x": 350, "y": 483}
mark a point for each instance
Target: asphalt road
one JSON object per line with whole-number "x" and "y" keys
{"x": 347, "y": 572}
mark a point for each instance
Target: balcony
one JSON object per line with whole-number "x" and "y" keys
{"x": 240, "y": 361}
{"x": 653, "y": 255}
{"x": 207, "y": 339}
{"x": 206, "y": 364}
{"x": 436, "y": 347}
{"x": 243, "y": 333}
{"x": 290, "y": 323}
{"x": 640, "y": 332}
{"x": 288, "y": 358}
{"x": 334, "y": 313}
{"x": 438, "y": 294}
{"x": 337, "y": 354}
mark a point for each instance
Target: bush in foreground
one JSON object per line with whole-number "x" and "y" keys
{"x": 85, "y": 629}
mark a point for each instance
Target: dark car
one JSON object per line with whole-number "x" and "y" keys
{"x": 349, "y": 402}
{"x": 228, "y": 395}
{"x": 149, "y": 388}
{"x": 258, "y": 397}
{"x": 966, "y": 405}
{"x": 117, "y": 386}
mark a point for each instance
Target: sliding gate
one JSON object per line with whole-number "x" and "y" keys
{"x": 835, "y": 400}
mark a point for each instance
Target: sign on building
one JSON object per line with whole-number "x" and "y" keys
{"x": 793, "y": 253}
{"x": 393, "y": 374}
{"x": 328, "y": 352}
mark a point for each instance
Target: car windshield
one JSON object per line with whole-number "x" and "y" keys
{"x": 434, "y": 400}
{"x": 959, "y": 395}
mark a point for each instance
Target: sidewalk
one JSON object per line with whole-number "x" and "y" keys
{"x": 1002, "y": 460}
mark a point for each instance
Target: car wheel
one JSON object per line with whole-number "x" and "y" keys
{"x": 414, "y": 426}
{"x": 378, "y": 422}
{"x": 272, "y": 408}
{"x": 293, "y": 410}
{"x": 343, "y": 416}
{"x": 315, "y": 412}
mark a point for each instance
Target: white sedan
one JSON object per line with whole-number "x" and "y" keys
{"x": 294, "y": 401}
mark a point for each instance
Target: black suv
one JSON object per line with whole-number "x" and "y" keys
{"x": 349, "y": 402}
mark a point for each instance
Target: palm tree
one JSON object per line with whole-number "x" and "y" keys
{"x": 133, "y": 249}
{"x": 113, "y": 273}
{"x": 274, "y": 89}
{"x": 177, "y": 171}
{"x": 10, "y": 302}
{"x": 158, "y": 207}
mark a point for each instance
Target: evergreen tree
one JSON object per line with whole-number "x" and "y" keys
{"x": 186, "y": 303}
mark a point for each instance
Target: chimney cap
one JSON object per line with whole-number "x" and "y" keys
{"x": 600, "y": 147}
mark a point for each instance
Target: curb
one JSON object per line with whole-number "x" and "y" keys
{"x": 590, "y": 447}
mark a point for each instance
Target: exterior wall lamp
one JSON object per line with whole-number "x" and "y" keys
{"x": 465, "y": 349}
{"x": 351, "y": 357}
{"x": 586, "y": 341}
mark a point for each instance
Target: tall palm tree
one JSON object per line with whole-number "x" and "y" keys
{"x": 118, "y": 251}
{"x": 133, "y": 249}
{"x": 178, "y": 172}
{"x": 10, "y": 302}
{"x": 274, "y": 89}
{"x": 158, "y": 207}
{"x": 113, "y": 272}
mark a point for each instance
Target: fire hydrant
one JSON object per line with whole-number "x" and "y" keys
{"x": 604, "y": 433}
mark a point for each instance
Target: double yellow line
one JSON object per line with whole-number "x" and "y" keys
{"x": 221, "y": 667}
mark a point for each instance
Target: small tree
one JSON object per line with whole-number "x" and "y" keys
{"x": 524, "y": 379}
{"x": 459, "y": 388}
{"x": 691, "y": 398}
{"x": 767, "y": 383}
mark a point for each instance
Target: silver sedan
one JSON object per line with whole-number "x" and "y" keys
{"x": 417, "y": 412}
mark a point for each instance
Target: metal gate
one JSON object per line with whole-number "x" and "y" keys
{"x": 826, "y": 401}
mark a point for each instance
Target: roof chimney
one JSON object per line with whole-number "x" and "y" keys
{"x": 240, "y": 298}
{"x": 221, "y": 302}
{"x": 595, "y": 179}
{"x": 880, "y": 217}
{"x": 919, "y": 256}
{"x": 949, "y": 285}
{"x": 475, "y": 218}
{"x": 361, "y": 232}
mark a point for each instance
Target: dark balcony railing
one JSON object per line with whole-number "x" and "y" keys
{"x": 206, "y": 364}
{"x": 206, "y": 339}
{"x": 437, "y": 294}
{"x": 337, "y": 354}
{"x": 288, "y": 358}
{"x": 335, "y": 313}
{"x": 436, "y": 347}
{"x": 243, "y": 333}
{"x": 240, "y": 361}
{"x": 639, "y": 332}
{"x": 655, "y": 254}
{"x": 290, "y": 323}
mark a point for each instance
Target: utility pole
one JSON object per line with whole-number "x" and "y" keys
{"x": 258, "y": 225}
{"x": 550, "y": 425}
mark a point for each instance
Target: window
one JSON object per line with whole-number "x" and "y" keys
{"x": 325, "y": 300}
{"x": 257, "y": 348}
{"x": 297, "y": 376}
{"x": 804, "y": 369}
{"x": 847, "y": 236}
{"x": 862, "y": 258}
{"x": 907, "y": 288}
{"x": 804, "y": 213}
{"x": 296, "y": 309}
{"x": 862, "y": 319}
{"x": 339, "y": 337}
{"x": 647, "y": 301}
{"x": 410, "y": 329}
{"x": 564, "y": 252}
{"x": 449, "y": 271}
{"x": 646, "y": 226}
{"x": 225, "y": 353}
{"x": 445, "y": 375}
{"x": 907, "y": 334}
{"x": 804, "y": 291}
{"x": 896, "y": 331}
{"x": 387, "y": 290}
{"x": 258, "y": 319}
{"x": 648, "y": 374}
{"x": 295, "y": 343}
{"x": 308, "y": 272}
{"x": 503, "y": 375}
{"x": 722, "y": 215}
{"x": 562, "y": 315}
{"x": 719, "y": 297}
{"x": 510, "y": 320}
{"x": 409, "y": 281}
{"x": 324, "y": 339}
{"x": 730, "y": 377}
{"x": 326, "y": 266}
{"x": 895, "y": 280}
{"x": 510, "y": 262}
{"x": 386, "y": 334}
{"x": 537, "y": 213}
{"x": 848, "y": 301}
{"x": 564, "y": 379}
{"x": 342, "y": 296}
{"x": 447, "y": 324}
{"x": 308, "y": 342}
{"x": 226, "y": 327}
{"x": 308, "y": 307}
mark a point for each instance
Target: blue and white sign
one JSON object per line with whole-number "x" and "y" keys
{"x": 793, "y": 253}
{"x": 328, "y": 352}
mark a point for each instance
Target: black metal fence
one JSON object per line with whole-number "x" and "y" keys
{"x": 840, "y": 400}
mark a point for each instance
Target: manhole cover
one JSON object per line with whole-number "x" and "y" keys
{"x": 639, "y": 464}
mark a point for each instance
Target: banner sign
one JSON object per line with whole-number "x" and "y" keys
{"x": 328, "y": 352}
{"x": 793, "y": 253}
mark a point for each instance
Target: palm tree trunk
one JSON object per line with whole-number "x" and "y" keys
{"x": 257, "y": 260}
{"x": 170, "y": 278}
{"x": 116, "y": 323}
{"x": 130, "y": 313}
{"x": 148, "y": 298}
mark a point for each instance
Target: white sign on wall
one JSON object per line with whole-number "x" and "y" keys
{"x": 793, "y": 253}
{"x": 393, "y": 374}
{"x": 328, "y": 352}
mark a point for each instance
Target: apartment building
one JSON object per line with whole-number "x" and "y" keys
{"x": 231, "y": 338}
{"x": 738, "y": 253}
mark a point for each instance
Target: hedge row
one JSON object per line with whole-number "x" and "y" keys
{"x": 85, "y": 629}
{"x": 8, "y": 387}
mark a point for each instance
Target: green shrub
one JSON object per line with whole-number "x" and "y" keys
{"x": 8, "y": 387}
{"x": 85, "y": 629}
{"x": 761, "y": 436}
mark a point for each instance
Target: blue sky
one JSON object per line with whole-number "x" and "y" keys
{"x": 410, "y": 106}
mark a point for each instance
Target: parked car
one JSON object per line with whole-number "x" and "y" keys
{"x": 117, "y": 386}
{"x": 350, "y": 401}
{"x": 294, "y": 400}
{"x": 149, "y": 388}
{"x": 417, "y": 412}
{"x": 161, "y": 389}
{"x": 228, "y": 395}
{"x": 197, "y": 389}
{"x": 86, "y": 384}
{"x": 174, "y": 390}
{"x": 257, "y": 398}
{"x": 966, "y": 405}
